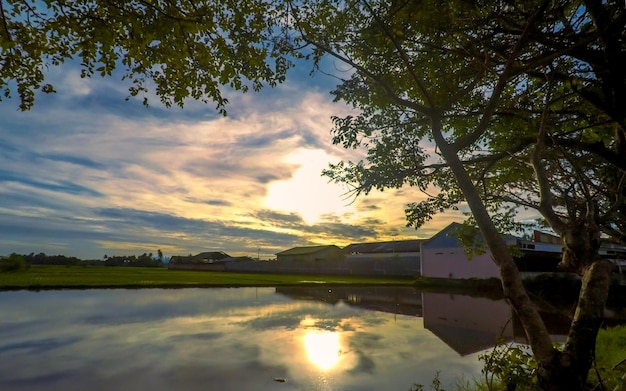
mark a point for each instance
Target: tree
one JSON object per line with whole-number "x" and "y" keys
{"x": 13, "y": 263}
{"x": 187, "y": 49}
{"x": 524, "y": 104}
{"x": 525, "y": 109}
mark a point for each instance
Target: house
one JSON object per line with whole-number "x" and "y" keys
{"x": 543, "y": 254}
{"x": 311, "y": 254}
{"x": 202, "y": 258}
{"x": 394, "y": 258}
{"x": 540, "y": 255}
{"x": 384, "y": 250}
{"x": 542, "y": 237}
{"x": 444, "y": 257}
{"x": 615, "y": 253}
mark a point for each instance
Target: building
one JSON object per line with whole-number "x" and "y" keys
{"x": 384, "y": 250}
{"x": 210, "y": 261}
{"x": 202, "y": 258}
{"x": 616, "y": 254}
{"x": 311, "y": 254}
{"x": 444, "y": 257}
{"x": 393, "y": 258}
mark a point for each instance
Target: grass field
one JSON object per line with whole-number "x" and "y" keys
{"x": 79, "y": 277}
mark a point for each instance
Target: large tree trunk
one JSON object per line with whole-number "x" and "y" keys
{"x": 568, "y": 369}
{"x": 514, "y": 291}
{"x": 557, "y": 370}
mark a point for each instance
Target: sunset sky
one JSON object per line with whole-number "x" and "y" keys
{"x": 86, "y": 173}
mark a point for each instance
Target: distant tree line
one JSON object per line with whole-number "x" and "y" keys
{"x": 145, "y": 260}
{"x": 43, "y": 259}
{"x": 16, "y": 262}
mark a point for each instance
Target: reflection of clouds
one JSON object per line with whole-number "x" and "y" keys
{"x": 246, "y": 375}
{"x": 364, "y": 364}
{"x": 292, "y": 316}
{"x": 198, "y": 339}
{"x": 328, "y": 324}
{"x": 371, "y": 320}
{"x": 365, "y": 340}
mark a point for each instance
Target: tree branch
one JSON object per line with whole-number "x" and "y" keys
{"x": 402, "y": 53}
{"x": 546, "y": 203}
{"x": 5, "y": 23}
{"x": 507, "y": 72}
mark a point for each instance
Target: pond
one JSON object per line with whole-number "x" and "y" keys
{"x": 317, "y": 338}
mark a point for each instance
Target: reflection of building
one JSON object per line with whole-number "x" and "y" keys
{"x": 467, "y": 324}
{"x": 395, "y": 300}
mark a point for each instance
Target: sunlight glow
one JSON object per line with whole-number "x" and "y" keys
{"x": 323, "y": 348}
{"x": 307, "y": 192}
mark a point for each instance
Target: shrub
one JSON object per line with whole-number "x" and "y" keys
{"x": 509, "y": 366}
{"x": 13, "y": 263}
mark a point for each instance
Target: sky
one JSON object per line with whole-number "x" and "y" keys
{"x": 87, "y": 173}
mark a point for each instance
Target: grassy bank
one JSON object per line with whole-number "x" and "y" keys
{"x": 608, "y": 372}
{"x": 77, "y": 277}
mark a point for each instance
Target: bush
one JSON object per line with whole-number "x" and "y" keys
{"x": 13, "y": 263}
{"x": 509, "y": 366}
{"x": 512, "y": 366}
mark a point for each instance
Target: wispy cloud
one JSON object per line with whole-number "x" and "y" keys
{"x": 86, "y": 173}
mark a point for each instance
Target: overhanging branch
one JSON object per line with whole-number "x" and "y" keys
{"x": 494, "y": 99}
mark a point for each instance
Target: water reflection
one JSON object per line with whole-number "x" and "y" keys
{"x": 323, "y": 348}
{"x": 467, "y": 324}
{"x": 195, "y": 339}
{"x": 237, "y": 339}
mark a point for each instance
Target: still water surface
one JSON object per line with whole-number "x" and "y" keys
{"x": 242, "y": 339}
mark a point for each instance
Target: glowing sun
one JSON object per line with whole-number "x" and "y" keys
{"x": 307, "y": 192}
{"x": 323, "y": 348}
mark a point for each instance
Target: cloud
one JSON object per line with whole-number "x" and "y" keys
{"x": 86, "y": 172}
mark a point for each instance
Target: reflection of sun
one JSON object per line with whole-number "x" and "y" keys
{"x": 323, "y": 348}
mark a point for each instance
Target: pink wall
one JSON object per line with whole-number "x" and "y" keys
{"x": 452, "y": 263}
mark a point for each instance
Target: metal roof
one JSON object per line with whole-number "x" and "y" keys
{"x": 396, "y": 246}
{"x": 211, "y": 255}
{"x": 446, "y": 238}
{"x": 306, "y": 250}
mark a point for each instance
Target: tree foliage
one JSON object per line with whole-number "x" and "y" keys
{"x": 183, "y": 49}
{"x": 490, "y": 104}
{"x": 14, "y": 263}
{"x": 524, "y": 104}
{"x": 518, "y": 101}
